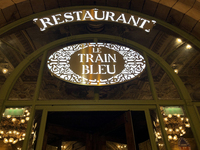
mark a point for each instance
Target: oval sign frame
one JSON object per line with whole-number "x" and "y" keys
{"x": 59, "y": 64}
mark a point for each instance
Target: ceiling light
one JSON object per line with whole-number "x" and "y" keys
{"x": 178, "y": 40}
{"x": 176, "y": 71}
{"x": 4, "y": 70}
{"x": 188, "y": 46}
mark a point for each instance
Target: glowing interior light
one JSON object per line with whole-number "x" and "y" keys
{"x": 14, "y": 142}
{"x": 176, "y": 71}
{"x": 178, "y": 40}
{"x": 169, "y": 137}
{"x": 14, "y": 119}
{"x": 22, "y": 121}
{"x": 188, "y": 46}
{"x": 169, "y": 115}
{"x": 177, "y": 130}
{"x": 8, "y": 116}
{"x": 187, "y": 125}
{"x": 27, "y": 118}
{"x": 4, "y": 70}
{"x": 5, "y": 140}
{"x": 11, "y": 140}
{"x": 175, "y": 137}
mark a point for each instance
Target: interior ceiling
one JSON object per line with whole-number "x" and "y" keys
{"x": 24, "y": 40}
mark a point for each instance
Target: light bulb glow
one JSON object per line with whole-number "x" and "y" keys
{"x": 187, "y": 125}
{"x": 11, "y": 140}
{"x": 169, "y": 115}
{"x": 27, "y": 118}
{"x": 178, "y": 40}
{"x": 169, "y": 137}
{"x": 175, "y": 137}
{"x": 170, "y": 130}
{"x": 8, "y": 116}
{"x": 4, "y": 70}
{"x": 5, "y": 140}
{"x": 22, "y": 121}
{"x": 176, "y": 71}
{"x": 14, "y": 119}
{"x": 177, "y": 130}
{"x": 14, "y": 142}
{"x": 188, "y": 46}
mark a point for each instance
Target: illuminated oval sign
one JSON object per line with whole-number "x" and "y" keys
{"x": 96, "y": 64}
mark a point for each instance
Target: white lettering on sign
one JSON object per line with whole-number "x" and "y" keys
{"x": 94, "y": 15}
{"x": 96, "y": 64}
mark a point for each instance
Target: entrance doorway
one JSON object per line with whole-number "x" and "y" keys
{"x": 96, "y": 130}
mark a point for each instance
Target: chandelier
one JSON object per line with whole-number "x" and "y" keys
{"x": 13, "y": 127}
{"x": 175, "y": 127}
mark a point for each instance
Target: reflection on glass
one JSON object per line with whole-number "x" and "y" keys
{"x": 87, "y": 130}
{"x": 136, "y": 89}
{"x": 184, "y": 60}
{"x": 165, "y": 88}
{"x": 13, "y": 127}
{"x": 54, "y": 88}
{"x": 177, "y": 127}
{"x": 118, "y": 146}
{"x": 157, "y": 130}
{"x": 25, "y": 85}
{"x": 35, "y": 130}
